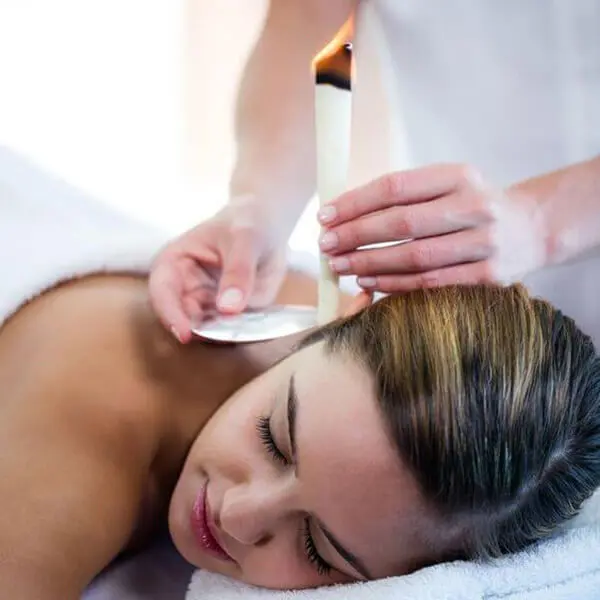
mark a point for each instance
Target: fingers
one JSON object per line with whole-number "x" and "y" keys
{"x": 239, "y": 272}
{"x": 417, "y": 256}
{"x": 270, "y": 276}
{"x": 166, "y": 297}
{"x": 467, "y": 274}
{"x": 448, "y": 214}
{"x": 401, "y": 188}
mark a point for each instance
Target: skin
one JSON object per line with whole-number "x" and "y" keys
{"x": 460, "y": 229}
{"x": 347, "y": 478}
{"x": 99, "y": 409}
{"x": 238, "y": 254}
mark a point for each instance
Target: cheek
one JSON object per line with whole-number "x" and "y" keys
{"x": 281, "y": 565}
{"x": 229, "y": 441}
{"x": 277, "y": 568}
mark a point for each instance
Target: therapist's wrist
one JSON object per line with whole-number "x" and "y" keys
{"x": 251, "y": 211}
{"x": 276, "y": 215}
{"x": 530, "y": 230}
{"x": 545, "y": 232}
{"x": 567, "y": 210}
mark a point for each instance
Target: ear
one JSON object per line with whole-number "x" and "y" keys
{"x": 361, "y": 301}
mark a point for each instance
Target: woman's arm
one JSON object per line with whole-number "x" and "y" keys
{"x": 460, "y": 229}
{"x": 275, "y": 118}
{"x": 569, "y": 202}
{"x": 240, "y": 252}
{"x": 71, "y": 480}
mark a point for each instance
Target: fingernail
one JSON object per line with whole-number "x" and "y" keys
{"x": 175, "y": 334}
{"x": 340, "y": 264}
{"x": 327, "y": 214}
{"x": 328, "y": 241}
{"x": 367, "y": 282}
{"x": 230, "y": 299}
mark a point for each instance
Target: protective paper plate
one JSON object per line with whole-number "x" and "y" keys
{"x": 256, "y": 326}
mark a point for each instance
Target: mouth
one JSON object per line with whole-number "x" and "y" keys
{"x": 203, "y": 527}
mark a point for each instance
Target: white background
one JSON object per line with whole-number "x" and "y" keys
{"x": 132, "y": 100}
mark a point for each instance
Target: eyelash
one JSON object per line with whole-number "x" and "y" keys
{"x": 263, "y": 429}
{"x": 322, "y": 567}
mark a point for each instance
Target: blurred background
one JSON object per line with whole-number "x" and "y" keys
{"x": 132, "y": 101}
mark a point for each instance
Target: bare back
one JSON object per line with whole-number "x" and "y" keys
{"x": 98, "y": 408}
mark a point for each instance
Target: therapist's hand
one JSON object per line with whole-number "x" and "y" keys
{"x": 456, "y": 230}
{"x": 224, "y": 264}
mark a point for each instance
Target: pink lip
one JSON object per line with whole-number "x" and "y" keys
{"x": 201, "y": 526}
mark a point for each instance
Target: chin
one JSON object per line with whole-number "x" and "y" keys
{"x": 179, "y": 526}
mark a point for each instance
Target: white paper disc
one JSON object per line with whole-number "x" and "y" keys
{"x": 257, "y": 326}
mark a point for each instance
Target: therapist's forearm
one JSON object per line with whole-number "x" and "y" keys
{"x": 275, "y": 123}
{"x": 568, "y": 203}
{"x": 276, "y": 137}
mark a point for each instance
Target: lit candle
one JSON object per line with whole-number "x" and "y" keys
{"x": 329, "y": 292}
{"x": 332, "y": 125}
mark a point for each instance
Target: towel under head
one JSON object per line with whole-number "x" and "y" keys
{"x": 565, "y": 568}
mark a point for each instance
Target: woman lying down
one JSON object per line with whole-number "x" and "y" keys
{"x": 459, "y": 422}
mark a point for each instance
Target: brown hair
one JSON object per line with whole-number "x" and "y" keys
{"x": 492, "y": 399}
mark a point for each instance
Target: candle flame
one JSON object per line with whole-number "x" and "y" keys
{"x": 343, "y": 36}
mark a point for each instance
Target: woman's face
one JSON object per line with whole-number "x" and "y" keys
{"x": 295, "y": 479}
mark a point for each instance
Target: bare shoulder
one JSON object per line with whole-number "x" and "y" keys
{"x": 73, "y": 354}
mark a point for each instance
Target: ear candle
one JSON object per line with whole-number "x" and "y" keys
{"x": 327, "y": 155}
{"x": 329, "y": 293}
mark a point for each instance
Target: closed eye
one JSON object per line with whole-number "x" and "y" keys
{"x": 313, "y": 556}
{"x": 263, "y": 428}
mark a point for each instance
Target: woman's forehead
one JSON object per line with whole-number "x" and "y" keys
{"x": 337, "y": 403}
{"x": 349, "y": 469}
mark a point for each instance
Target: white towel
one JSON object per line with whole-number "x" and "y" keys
{"x": 566, "y": 568}
{"x": 50, "y": 233}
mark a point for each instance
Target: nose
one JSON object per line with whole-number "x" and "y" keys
{"x": 251, "y": 512}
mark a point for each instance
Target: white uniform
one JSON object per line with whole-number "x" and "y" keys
{"x": 511, "y": 87}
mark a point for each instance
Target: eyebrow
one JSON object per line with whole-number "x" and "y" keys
{"x": 292, "y": 410}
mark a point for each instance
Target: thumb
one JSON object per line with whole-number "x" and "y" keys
{"x": 239, "y": 273}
